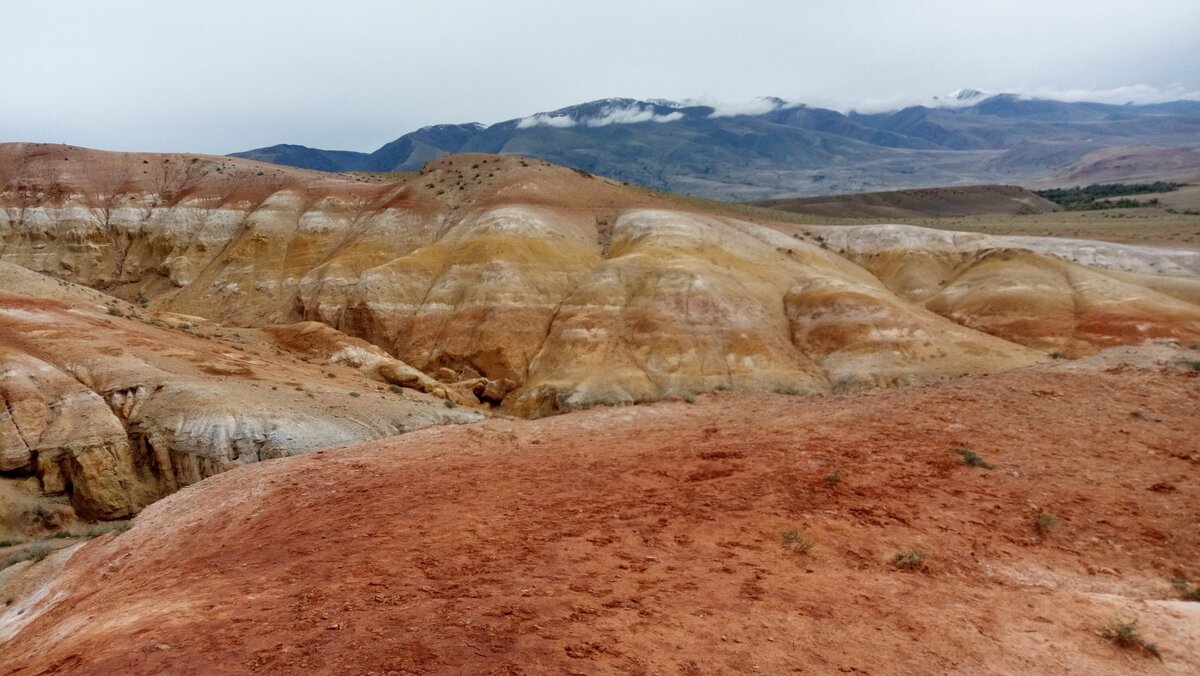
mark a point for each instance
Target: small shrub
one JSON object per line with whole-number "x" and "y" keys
{"x": 972, "y": 459}
{"x": 1057, "y": 355}
{"x": 355, "y": 394}
{"x": 92, "y": 530}
{"x": 451, "y": 404}
{"x": 911, "y": 560}
{"x": 1043, "y": 522}
{"x": 688, "y": 397}
{"x": 1126, "y": 635}
{"x": 115, "y": 311}
{"x": 834, "y": 477}
{"x": 1188, "y": 592}
{"x": 796, "y": 542}
{"x": 35, "y": 552}
{"x": 114, "y": 527}
{"x": 1194, "y": 363}
{"x": 38, "y": 514}
{"x": 396, "y": 389}
{"x": 721, "y": 388}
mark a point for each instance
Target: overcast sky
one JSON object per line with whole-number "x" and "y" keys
{"x": 226, "y": 75}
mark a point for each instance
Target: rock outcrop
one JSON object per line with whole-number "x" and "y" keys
{"x": 1034, "y": 291}
{"x": 113, "y": 412}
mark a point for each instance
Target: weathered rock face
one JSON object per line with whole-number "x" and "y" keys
{"x": 1029, "y": 290}
{"x": 113, "y": 413}
{"x": 561, "y": 291}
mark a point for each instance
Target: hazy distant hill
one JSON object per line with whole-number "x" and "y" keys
{"x": 772, "y": 148}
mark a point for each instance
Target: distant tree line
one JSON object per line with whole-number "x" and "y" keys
{"x": 1099, "y": 196}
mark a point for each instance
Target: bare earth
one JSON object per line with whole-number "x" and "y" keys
{"x": 649, "y": 539}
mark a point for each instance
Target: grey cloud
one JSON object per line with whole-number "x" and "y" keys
{"x": 228, "y": 75}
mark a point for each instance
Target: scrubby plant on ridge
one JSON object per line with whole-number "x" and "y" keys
{"x": 910, "y": 560}
{"x": 1044, "y": 521}
{"x": 1188, "y": 592}
{"x": 1126, "y": 635}
{"x": 972, "y": 459}
{"x": 796, "y": 542}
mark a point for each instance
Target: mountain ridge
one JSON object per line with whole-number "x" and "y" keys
{"x": 770, "y": 148}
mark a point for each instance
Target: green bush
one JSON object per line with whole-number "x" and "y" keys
{"x": 1097, "y": 196}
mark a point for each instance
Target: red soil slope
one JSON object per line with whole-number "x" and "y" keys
{"x": 650, "y": 540}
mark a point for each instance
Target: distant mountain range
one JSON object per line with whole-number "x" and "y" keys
{"x": 773, "y": 148}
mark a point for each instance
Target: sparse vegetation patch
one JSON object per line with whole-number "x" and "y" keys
{"x": 972, "y": 459}
{"x": 796, "y": 542}
{"x": 910, "y": 560}
{"x": 34, "y": 552}
{"x": 1186, "y": 591}
{"x": 1126, "y": 635}
{"x": 1044, "y": 522}
{"x": 1097, "y": 196}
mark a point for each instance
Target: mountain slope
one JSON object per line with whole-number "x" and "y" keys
{"x": 773, "y": 148}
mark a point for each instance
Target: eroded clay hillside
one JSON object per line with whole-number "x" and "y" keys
{"x": 561, "y": 290}
{"x": 109, "y": 406}
{"x": 744, "y": 533}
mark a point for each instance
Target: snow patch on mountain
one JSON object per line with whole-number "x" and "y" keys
{"x": 614, "y": 111}
{"x": 960, "y": 98}
{"x": 759, "y": 106}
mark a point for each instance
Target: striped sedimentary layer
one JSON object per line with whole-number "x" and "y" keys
{"x": 570, "y": 289}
